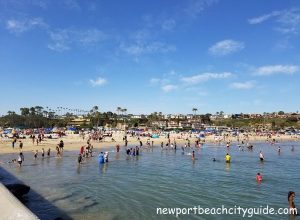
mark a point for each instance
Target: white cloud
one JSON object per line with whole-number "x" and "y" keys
{"x": 263, "y": 18}
{"x": 168, "y": 88}
{"x": 58, "y": 46}
{"x": 90, "y": 36}
{"x": 147, "y": 48}
{"x": 288, "y": 20}
{"x": 242, "y": 85}
{"x": 205, "y": 77}
{"x": 64, "y": 39}
{"x": 98, "y": 82}
{"x": 226, "y": 47}
{"x": 276, "y": 69}
{"x": 20, "y": 26}
{"x": 195, "y": 7}
{"x": 155, "y": 81}
{"x": 71, "y": 4}
{"x": 168, "y": 25}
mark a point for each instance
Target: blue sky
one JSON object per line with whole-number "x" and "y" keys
{"x": 146, "y": 56}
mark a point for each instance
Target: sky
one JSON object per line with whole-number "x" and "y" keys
{"x": 167, "y": 56}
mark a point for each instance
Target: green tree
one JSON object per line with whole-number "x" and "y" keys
{"x": 24, "y": 111}
{"x": 194, "y": 110}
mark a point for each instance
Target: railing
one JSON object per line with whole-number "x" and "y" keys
{"x": 11, "y": 208}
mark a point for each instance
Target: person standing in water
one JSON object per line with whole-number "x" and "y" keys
{"x": 48, "y": 152}
{"x": 61, "y": 146}
{"x": 43, "y": 152}
{"x": 227, "y": 158}
{"x": 20, "y": 159}
{"x": 193, "y": 155}
{"x": 79, "y": 158}
{"x": 261, "y": 156}
{"x": 292, "y": 207}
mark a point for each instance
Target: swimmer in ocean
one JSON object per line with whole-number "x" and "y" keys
{"x": 258, "y": 177}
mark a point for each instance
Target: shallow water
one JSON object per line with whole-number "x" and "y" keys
{"x": 133, "y": 187}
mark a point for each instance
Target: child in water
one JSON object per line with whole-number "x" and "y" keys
{"x": 193, "y": 155}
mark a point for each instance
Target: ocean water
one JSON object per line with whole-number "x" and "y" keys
{"x": 134, "y": 187}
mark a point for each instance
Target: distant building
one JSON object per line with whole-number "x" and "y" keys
{"x": 79, "y": 121}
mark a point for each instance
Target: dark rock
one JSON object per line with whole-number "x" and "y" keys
{"x": 18, "y": 190}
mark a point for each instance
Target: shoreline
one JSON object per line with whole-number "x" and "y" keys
{"x": 74, "y": 142}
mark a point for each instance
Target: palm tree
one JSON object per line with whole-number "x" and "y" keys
{"x": 24, "y": 111}
{"x": 32, "y": 111}
{"x": 124, "y": 110}
{"x": 119, "y": 109}
{"x": 195, "y": 110}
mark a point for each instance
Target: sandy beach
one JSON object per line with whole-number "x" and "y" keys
{"x": 73, "y": 142}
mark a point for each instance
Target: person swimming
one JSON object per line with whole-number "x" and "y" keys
{"x": 258, "y": 177}
{"x": 227, "y": 158}
{"x": 214, "y": 160}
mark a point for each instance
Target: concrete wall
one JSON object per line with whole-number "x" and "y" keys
{"x": 11, "y": 208}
